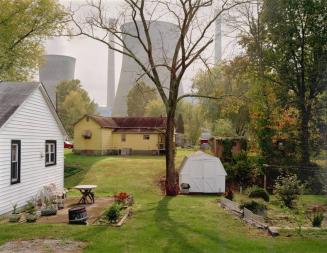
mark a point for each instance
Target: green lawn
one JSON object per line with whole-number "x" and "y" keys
{"x": 159, "y": 224}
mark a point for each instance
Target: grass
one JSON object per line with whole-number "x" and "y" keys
{"x": 159, "y": 223}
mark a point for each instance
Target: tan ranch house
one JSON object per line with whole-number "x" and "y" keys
{"x": 96, "y": 135}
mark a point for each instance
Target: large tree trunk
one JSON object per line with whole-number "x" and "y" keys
{"x": 304, "y": 134}
{"x": 171, "y": 186}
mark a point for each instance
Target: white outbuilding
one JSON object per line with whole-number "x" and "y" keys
{"x": 203, "y": 172}
{"x": 31, "y": 143}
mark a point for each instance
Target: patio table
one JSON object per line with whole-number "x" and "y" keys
{"x": 86, "y": 191}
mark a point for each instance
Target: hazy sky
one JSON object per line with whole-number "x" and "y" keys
{"x": 91, "y": 58}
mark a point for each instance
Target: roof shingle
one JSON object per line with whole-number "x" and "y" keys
{"x": 12, "y": 95}
{"x": 132, "y": 123}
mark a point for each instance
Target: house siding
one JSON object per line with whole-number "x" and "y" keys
{"x": 33, "y": 123}
{"x": 95, "y": 142}
{"x": 136, "y": 141}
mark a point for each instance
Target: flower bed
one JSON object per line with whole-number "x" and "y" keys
{"x": 118, "y": 212}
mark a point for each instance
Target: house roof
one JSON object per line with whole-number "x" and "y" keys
{"x": 105, "y": 122}
{"x": 12, "y": 95}
{"x": 134, "y": 124}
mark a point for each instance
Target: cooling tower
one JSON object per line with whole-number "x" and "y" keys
{"x": 56, "y": 68}
{"x": 164, "y": 36}
{"x": 218, "y": 51}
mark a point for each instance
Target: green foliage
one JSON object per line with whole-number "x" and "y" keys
{"x": 30, "y": 207}
{"x": 258, "y": 192}
{"x": 73, "y": 102}
{"x": 242, "y": 170}
{"x": 24, "y": 25}
{"x": 14, "y": 209}
{"x": 138, "y": 98}
{"x": 229, "y": 78}
{"x": 155, "y": 108}
{"x": 114, "y": 212}
{"x": 287, "y": 189}
{"x": 223, "y": 128}
{"x": 227, "y": 149}
{"x": 254, "y": 206}
{"x": 317, "y": 220}
{"x": 316, "y": 215}
{"x": 296, "y": 50}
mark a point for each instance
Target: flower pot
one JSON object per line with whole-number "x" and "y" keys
{"x": 31, "y": 217}
{"x": 48, "y": 211}
{"x": 14, "y": 217}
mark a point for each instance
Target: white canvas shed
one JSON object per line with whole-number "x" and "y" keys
{"x": 203, "y": 172}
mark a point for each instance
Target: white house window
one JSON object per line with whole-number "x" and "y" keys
{"x": 50, "y": 153}
{"x": 146, "y": 137}
{"x": 15, "y": 161}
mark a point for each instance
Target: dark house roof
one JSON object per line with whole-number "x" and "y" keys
{"x": 131, "y": 124}
{"x": 12, "y": 95}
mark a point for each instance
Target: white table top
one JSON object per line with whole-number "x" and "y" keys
{"x": 85, "y": 187}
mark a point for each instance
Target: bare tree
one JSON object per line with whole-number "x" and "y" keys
{"x": 194, "y": 21}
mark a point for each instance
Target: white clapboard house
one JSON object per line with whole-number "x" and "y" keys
{"x": 31, "y": 143}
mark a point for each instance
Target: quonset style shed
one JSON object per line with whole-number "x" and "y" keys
{"x": 203, "y": 172}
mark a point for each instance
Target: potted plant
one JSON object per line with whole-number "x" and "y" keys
{"x": 185, "y": 188}
{"x": 15, "y": 215}
{"x": 49, "y": 208}
{"x": 30, "y": 211}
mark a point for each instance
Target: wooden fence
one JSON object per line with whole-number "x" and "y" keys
{"x": 252, "y": 218}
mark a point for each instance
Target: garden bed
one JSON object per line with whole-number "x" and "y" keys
{"x": 124, "y": 215}
{"x": 277, "y": 216}
{"x": 118, "y": 212}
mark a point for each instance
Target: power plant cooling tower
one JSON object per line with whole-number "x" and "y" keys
{"x": 56, "y": 68}
{"x": 164, "y": 36}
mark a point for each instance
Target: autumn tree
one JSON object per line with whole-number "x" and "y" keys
{"x": 194, "y": 32}
{"x": 24, "y": 24}
{"x": 73, "y": 103}
{"x": 229, "y": 79}
{"x": 155, "y": 108}
{"x": 294, "y": 53}
{"x": 138, "y": 98}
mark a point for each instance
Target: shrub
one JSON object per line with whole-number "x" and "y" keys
{"x": 287, "y": 189}
{"x": 30, "y": 207}
{"x": 317, "y": 219}
{"x": 229, "y": 195}
{"x": 254, "y": 206}
{"x": 316, "y": 215}
{"x": 113, "y": 213}
{"x": 258, "y": 192}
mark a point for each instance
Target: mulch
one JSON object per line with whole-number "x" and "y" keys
{"x": 94, "y": 211}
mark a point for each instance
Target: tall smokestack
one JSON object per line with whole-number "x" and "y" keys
{"x": 111, "y": 71}
{"x": 218, "y": 35}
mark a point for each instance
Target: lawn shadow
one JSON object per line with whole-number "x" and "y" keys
{"x": 178, "y": 240}
{"x": 77, "y": 167}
